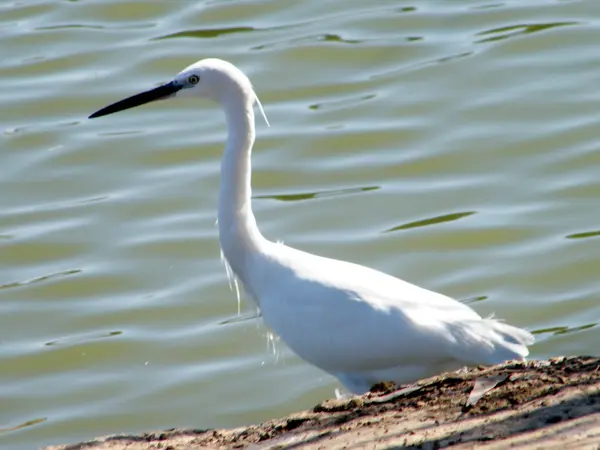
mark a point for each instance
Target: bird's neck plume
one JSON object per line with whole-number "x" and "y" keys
{"x": 260, "y": 108}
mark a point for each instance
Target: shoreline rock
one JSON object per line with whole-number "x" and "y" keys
{"x": 534, "y": 404}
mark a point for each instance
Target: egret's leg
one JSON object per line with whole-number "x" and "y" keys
{"x": 341, "y": 394}
{"x": 354, "y": 384}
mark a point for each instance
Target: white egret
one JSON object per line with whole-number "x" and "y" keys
{"x": 360, "y": 325}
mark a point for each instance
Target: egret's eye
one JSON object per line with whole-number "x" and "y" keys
{"x": 193, "y": 79}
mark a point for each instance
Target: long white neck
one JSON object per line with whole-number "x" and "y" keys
{"x": 239, "y": 236}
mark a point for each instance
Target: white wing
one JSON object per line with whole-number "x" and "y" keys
{"x": 344, "y": 317}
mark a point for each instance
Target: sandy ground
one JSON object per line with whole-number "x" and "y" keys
{"x": 533, "y": 405}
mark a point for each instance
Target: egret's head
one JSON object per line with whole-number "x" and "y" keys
{"x": 213, "y": 79}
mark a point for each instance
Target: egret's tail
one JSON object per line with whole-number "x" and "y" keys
{"x": 508, "y": 340}
{"x": 488, "y": 341}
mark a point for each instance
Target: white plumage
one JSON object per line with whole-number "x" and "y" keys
{"x": 358, "y": 324}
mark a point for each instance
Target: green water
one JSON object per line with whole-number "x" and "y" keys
{"x": 452, "y": 143}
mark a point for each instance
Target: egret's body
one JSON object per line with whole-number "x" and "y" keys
{"x": 358, "y": 324}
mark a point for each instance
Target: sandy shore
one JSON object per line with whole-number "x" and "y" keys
{"x": 538, "y": 404}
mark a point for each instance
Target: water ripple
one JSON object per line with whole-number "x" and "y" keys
{"x": 78, "y": 340}
{"x": 511, "y": 31}
{"x": 565, "y": 329}
{"x": 17, "y": 284}
{"x": 584, "y": 235}
{"x": 432, "y": 221}
{"x": 25, "y": 424}
{"x": 385, "y": 116}
{"x": 317, "y": 194}
{"x": 206, "y": 33}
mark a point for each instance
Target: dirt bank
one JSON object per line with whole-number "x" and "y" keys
{"x": 538, "y": 404}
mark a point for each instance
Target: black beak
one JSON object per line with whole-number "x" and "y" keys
{"x": 164, "y": 91}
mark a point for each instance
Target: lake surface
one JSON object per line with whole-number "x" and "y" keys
{"x": 453, "y": 144}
